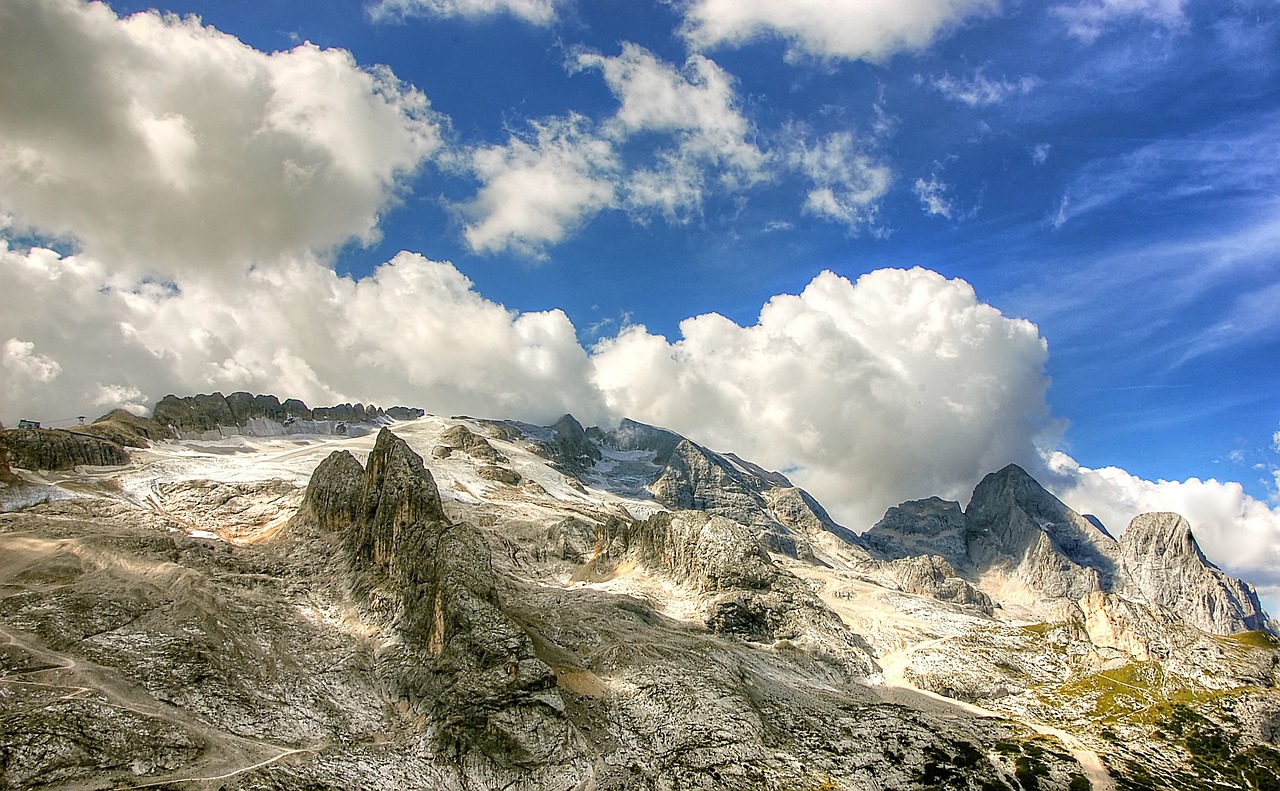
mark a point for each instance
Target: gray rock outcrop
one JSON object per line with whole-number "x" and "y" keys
{"x": 57, "y": 449}
{"x": 125, "y": 428}
{"x": 1164, "y": 566}
{"x": 215, "y": 413}
{"x": 932, "y": 526}
{"x": 744, "y": 593}
{"x": 933, "y": 576}
{"x": 462, "y": 660}
{"x": 461, "y": 438}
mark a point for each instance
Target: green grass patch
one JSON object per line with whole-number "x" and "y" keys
{"x": 1254, "y": 639}
{"x": 1128, "y": 692}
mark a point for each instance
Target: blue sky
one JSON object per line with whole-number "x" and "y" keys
{"x": 1120, "y": 191}
{"x": 1107, "y": 170}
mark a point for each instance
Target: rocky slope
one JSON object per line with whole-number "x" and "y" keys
{"x": 464, "y": 604}
{"x": 57, "y": 449}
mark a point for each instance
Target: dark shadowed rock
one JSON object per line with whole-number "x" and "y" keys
{"x": 197, "y": 413}
{"x": 404, "y": 413}
{"x": 569, "y": 448}
{"x": 932, "y": 526}
{"x": 1165, "y": 566}
{"x": 6, "y": 474}
{"x": 334, "y": 499}
{"x": 56, "y": 449}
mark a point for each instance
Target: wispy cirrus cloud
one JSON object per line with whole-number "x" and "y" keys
{"x": 537, "y": 12}
{"x": 979, "y": 90}
{"x": 1089, "y": 19}
{"x": 1238, "y": 162}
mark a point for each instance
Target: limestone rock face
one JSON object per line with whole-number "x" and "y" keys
{"x": 56, "y": 449}
{"x": 933, "y": 576}
{"x": 745, "y": 593}
{"x": 1113, "y": 622}
{"x": 461, "y": 659}
{"x": 1014, "y": 526}
{"x": 693, "y": 478}
{"x": 214, "y": 412}
{"x": 921, "y": 527}
{"x": 1164, "y": 566}
{"x": 569, "y": 447}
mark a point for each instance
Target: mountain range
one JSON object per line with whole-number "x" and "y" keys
{"x": 244, "y": 593}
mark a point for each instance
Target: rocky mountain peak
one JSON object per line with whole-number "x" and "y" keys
{"x": 570, "y": 447}
{"x": 460, "y": 656}
{"x": 1164, "y": 534}
{"x": 1014, "y": 523}
{"x": 1163, "y": 564}
{"x": 932, "y": 526}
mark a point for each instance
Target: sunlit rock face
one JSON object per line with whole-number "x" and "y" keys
{"x": 1014, "y": 526}
{"x": 1164, "y": 566}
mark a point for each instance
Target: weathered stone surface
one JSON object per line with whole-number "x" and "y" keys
{"x": 200, "y": 414}
{"x": 1163, "y": 565}
{"x": 1014, "y": 526}
{"x": 933, "y": 576}
{"x": 569, "y": 447}
{"x": 461, "y": 438}
{"x": 500, "y": 474}
{"x": 746, "y": 594}
{"x": 932, "y": 526}
{"x": 462, "y": 660}
{"x": 56, "y": 449}
{"x": 7, "y": 475}
{"x": 193, "y": 413}
{"x": 693, "y": 478}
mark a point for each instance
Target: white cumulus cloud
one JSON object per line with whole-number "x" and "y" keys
{"x": 415, "y": 331}
{"x": 535, "y": 191}
{"x": 697, "y": 104}
{"x": 901, "y": 384}
{"x": 855, "y": 29}
{"x": 160, "y": 144}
